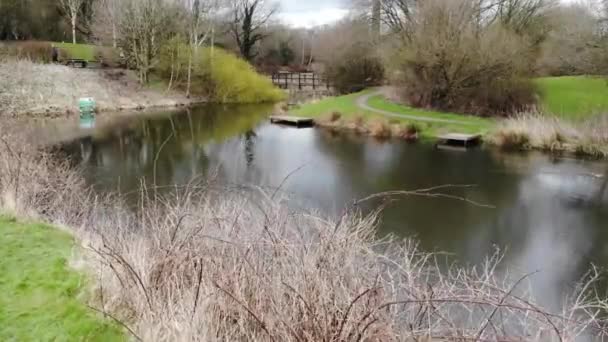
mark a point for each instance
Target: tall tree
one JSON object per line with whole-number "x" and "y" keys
{"x": 200, "y": 29}
{"x": 72, "y": 9}
{"x": 248, "y": 19}
{"x": 105, "y": 19}
{"x": 143, "y": 27}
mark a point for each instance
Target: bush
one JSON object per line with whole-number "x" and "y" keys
{"x": 355, "y": 70}
{"x": 380, "y": 129}
{"x": 217, "y": 74}
{"x": 37, "y": 52}
{"x": 108, "y": 57}
{"x": 452, "y": 63}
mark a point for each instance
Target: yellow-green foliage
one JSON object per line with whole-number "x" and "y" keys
{"x": 217, "y": 74}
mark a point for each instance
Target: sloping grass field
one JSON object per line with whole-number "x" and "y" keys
{"x": 573, "y": 97}
{"x": 39, "y": 295}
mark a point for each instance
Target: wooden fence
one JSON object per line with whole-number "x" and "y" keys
{"x": 300, "y": 81}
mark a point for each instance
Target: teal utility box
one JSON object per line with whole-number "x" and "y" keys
{"x": 87, "y": 106}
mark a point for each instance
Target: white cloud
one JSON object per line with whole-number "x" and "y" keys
{"x": 309, "y": 13}
{"x": 311, "y": 18}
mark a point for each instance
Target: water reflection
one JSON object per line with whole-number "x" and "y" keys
{"x": 551, "y": 213}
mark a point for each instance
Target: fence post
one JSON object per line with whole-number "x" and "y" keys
{"x": 300, "y": 80}
{"x": 313, "y": 81}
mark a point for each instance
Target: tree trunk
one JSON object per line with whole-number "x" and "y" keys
{"x": 376, "y": 17}
{"x": 189, "y": 73}
{"x": 114, "y": 44}
{"x": 74, "y": 29}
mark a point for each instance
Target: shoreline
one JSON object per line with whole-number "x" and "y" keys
{"x": 555, "y": 145}
{"x": 67, "y": 112}
{"x": 50, "y": 90}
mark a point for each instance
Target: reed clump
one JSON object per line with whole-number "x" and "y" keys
{"x": 535, "y": 131}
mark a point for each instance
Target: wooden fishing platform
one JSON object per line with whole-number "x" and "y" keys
{"x": 292, "y": 121}
{"x": 460, "y": 139}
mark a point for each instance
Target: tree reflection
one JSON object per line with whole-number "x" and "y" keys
{"x": 164, "y": 149}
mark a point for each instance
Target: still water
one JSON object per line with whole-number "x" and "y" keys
{"x": 550, "y": 214}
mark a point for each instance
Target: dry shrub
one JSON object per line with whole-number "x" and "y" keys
{"x": 211, "y": 262}
{"x": 455, "y": 63}
{"x": 35, "y": 51}
{"x": 34, "y": 183}
{"x": 355, "y": 69}
{"x": 108, "y": 57}
{"x": 553, "y": 134}
{"x": 221, "y": 262}
{"x": 408, "y": 131}
{"x": 379, "y": 128}
{"x": 358, "y": 124}
{"x": 335, "y": 116}
{"x": 330, "y": 120}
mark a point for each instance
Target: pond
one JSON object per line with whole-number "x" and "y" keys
{"x": 549, "y": 214}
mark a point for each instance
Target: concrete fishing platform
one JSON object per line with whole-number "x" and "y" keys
{"x": 460, "y": 139}
{"x": 292, "y": 120}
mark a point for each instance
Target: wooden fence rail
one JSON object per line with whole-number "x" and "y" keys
{"x": 300, "y": 80}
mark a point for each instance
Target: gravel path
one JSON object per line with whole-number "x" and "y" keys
{"x": 362, "y": 101}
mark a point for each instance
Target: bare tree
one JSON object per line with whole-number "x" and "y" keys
{"x": 143, "y": 27}
{"x": 200, "y": 28}
{"x": 105, "y": 14}
{"x": 248, "y": 18}
{"x": 72, "y": 9}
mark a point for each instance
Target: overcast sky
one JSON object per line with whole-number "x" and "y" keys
{"x": 309, "y": 13}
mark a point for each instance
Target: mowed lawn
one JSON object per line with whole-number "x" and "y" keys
{"x": 78, "y": 51}
{"x": 39, "y": 294}
{"x": 573, "y": 97}
{"x": 346, "y": 105}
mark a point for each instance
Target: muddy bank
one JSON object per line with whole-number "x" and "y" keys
{"x": 50, "y": 90}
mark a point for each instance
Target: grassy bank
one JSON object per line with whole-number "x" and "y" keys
{"x": 573, "y": 97}
{"x": 570, "y": 119}
{"x": 39, "y": 294}
{"x": 573, "y": 119}
{"x": 350, "y": 113}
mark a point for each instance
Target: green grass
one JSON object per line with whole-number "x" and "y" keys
{"x": 38, "y": 293}
{"x": 78, "y": 51}
{"x": 573, "y": 97}
{"x": 347, "y": 106}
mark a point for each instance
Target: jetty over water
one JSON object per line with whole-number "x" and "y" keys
{"x": 292, "y": 120}
{"x": 460, "y": 139}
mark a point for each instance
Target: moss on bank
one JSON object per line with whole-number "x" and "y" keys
{"x": 38, "y": 293}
